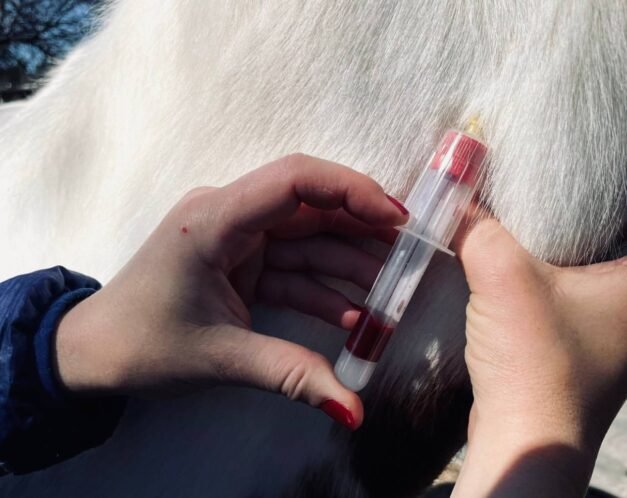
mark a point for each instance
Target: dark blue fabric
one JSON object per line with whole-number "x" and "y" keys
{"x": 39, "y": 423}
{"x": 45, "y": 336}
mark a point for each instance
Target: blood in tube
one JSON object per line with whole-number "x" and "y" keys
{"x": 368, "y": 337}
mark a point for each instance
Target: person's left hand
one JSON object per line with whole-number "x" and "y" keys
{"x": 176, "y": 317}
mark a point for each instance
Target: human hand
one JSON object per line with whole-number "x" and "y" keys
{"x": 176, "y": 316}
{"x": 547, "y": 356}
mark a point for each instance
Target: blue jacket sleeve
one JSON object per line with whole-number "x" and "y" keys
{"x": 40, "y": 424}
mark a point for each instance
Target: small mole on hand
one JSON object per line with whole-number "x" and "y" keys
{"x": 184, "y": 230}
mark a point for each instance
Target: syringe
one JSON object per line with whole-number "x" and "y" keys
{"x": 436, "y": 204}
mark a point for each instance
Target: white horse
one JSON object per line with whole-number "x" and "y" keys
{"x": 172, "y": 95}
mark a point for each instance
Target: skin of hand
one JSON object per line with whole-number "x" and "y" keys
{"x": 547, "y": 355}
{"x": 176, "y": 318}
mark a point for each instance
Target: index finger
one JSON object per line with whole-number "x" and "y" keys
{"x": 271, "y": 194}
{"x": 309, "y": 221}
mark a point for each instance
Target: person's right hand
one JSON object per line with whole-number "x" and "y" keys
{"x": 547, "y": 355}
{"x": 176, "y": 317}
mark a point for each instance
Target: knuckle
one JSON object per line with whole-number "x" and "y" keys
{"x": 505, "y": 262}
{"x": 193, "y": 205}
{"x": 192, "y": 196}
{"x": 492, "y": 254}
{"x": 190, "y": 201}
{"x": 501, "y": 275}
{"x": 289, "y": 165}
{"x": 296, "y": 380}
{"x": 314, "y": 360}
{"x": 293, "y": 385}
{"x": 196, "y": 191}
{"x": 296, "y": 158}
{"x": 484, "y": 234}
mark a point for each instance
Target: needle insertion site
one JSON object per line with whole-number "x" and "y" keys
{"x": 436, "y": 203}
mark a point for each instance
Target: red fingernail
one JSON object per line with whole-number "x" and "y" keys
{"x": 338, "y": 412}
{"x": 398, "y": 204}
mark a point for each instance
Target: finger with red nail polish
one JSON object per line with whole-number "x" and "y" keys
{"x": 398, "y": 204}
{"x": 339, "y": 413}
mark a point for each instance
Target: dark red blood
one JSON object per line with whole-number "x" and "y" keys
{"x": 368, "y": 337}
{"x": 184, "y": 229}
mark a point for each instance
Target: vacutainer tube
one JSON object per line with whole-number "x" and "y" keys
{"x": 436, "y": 204}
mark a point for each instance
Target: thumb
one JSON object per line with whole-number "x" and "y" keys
{"x": 296, "y": 372}
{"x": 489, "y": 255}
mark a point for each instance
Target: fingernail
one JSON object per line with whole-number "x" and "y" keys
{"x": 398, "y": 204}
{"x": 338, "y": 412}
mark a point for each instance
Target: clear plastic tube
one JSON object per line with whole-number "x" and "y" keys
{"x": 437, "y": 203}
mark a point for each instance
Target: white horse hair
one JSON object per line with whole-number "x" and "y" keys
{"x": 162, "y": 99}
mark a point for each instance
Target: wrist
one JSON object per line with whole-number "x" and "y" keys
{"x": 536, "y": 460}
{"x": 87, "y": 358}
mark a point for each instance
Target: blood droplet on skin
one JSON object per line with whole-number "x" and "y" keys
{"x": 184, "y": 230}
